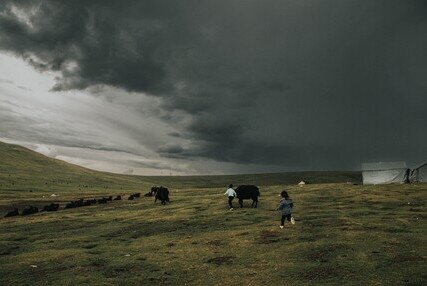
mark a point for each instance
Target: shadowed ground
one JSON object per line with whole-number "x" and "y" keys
{"x": 347, "y": 234}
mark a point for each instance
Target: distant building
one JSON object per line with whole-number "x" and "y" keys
{"x": 419, "y": 175}
{"x": 385, "y": 173}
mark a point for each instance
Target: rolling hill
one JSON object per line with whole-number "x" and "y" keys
{"x": 24, "y": 169}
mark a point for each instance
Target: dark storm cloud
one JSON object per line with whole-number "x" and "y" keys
{"x": 308, "y": 84}
{"x": 170, "y": 149}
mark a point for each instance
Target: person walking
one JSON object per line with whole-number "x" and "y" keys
{"x": 285, "y": 207}
{"x": 230, "y": 193}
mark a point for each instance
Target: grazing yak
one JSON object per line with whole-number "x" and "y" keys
{"x": 162, "y": 195}
{"x": 102, "y": 201}
{"x": 30, "y": 210}
{"x": 50, "y": 208}
{"x": 70, "y": 205}
{"x": 15, "y": 212}
{"x": 245, "y": 192}
{"x": 152, "y": 192}
{"x": 118, "y": 198}
{"x": 89, "y": 202}
{"x": 74, "y": 204}
{"x": 135, "y": 195}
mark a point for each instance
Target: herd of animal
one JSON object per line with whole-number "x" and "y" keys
{"x": 160, "y": 193}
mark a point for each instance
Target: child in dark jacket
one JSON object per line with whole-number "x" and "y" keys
{"x": 285, "y": 207}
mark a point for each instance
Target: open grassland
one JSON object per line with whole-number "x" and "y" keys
{"x": 344, "y": 234}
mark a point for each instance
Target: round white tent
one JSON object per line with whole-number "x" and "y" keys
{"x": 419, "y": 175}
{"x": 384, "y": 173}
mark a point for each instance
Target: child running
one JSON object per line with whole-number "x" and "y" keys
{"x": 285, "y": 207}
{"x": 230, "y": 193}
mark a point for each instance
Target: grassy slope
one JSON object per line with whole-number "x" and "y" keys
{"x": 28, "y": 170}
{"x": 23, "y": 169}
{"x": 345, "y": 234}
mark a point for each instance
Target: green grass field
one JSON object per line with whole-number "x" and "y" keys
{"x": 344, "y": 234}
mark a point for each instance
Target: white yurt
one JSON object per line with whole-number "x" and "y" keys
{"x": 385, "y": 173}
{"x": 419, "y": 175}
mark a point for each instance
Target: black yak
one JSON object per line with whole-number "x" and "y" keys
{"x": 134, "y": 196}
{"x": 102, "y": 201}
{"x": 245, "y": 192}
{"x": 30, "y": 210}
{"x": 50, "y": 208}
{"x": 162, "y": 195}
{"x": 89, "y": 202}
{"x": 152, "y": 192}
{"x": 118, "y": 198}
{"x": 70, "y": 205}
{"x": 15, "y": 212}
{"x": 74, "y": 204}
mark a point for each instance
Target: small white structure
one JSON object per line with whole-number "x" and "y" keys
{"x": 302, "y": 183}
{"x": 419, "y": 175}
{"x": 385, "y": 173}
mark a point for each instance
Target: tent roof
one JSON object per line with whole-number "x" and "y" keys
{"x": 379, "y": 166}
{"x": 422, "y": 165}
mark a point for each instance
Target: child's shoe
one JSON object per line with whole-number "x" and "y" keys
{"x": 292, "y": 220}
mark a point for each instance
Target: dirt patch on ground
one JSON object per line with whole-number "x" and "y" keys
{"x": 310, "y": 238}
{"x": 90, "y": 246}
{"x": 8, "y": 249}
{"x": 215, "y": 242}
{"x": 409, "y": 258}
{"x": 325, "y": 253}
{"x": 242, "y": 233}
{"x": 268, "y": 236}
{"x": 416, "y": 209}
{"x": 220, "y": 260}
{"x": 336, "y": 222}
{"x": 397, "y": 230}
{"x": 323, "y": 273}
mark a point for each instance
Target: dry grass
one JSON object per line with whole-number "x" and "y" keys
{"x": 344, "y": 234}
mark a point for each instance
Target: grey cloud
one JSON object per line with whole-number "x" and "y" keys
{"x": 309, "y": 84}
{"x": 2, "y": 80}
{"x": 7, "y": 81}
{"x": 161, "y": 165}
{"x": 24, "y": 88}
{"x": 171, "y": 148}
{"x": 174, "y": 134}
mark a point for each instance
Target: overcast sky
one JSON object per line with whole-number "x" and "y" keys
{"x": 215, "y": 87}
